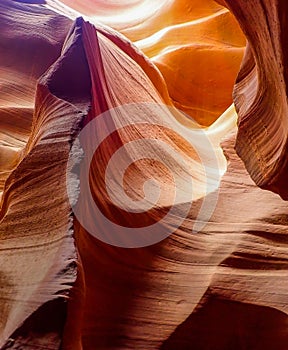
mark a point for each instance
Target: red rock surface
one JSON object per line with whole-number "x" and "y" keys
{"x": 221, "y": 287}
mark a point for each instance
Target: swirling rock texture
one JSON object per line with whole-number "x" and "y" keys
{"x": 260, "y": 93}
{"x": 182, "y": 38}
{"x": 221, "y": 286}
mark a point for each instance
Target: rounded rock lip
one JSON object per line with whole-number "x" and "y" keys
{"x": 89, "y": 139}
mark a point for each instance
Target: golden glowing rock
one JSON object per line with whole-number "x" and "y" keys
{"x": 197, "y": 45}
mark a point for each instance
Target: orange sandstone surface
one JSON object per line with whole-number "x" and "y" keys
{"x": 197, "y": 46}
{"x": 70, "y": 279}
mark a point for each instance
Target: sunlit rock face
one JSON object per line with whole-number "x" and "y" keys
{"x": 197, "y": 45}
{"x": 219, "y": 280}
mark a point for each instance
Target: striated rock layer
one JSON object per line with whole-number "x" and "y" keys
{"x": 218, "y": 281}
{"x": 38, "y": 256}
{"x": 260, "y": 93}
